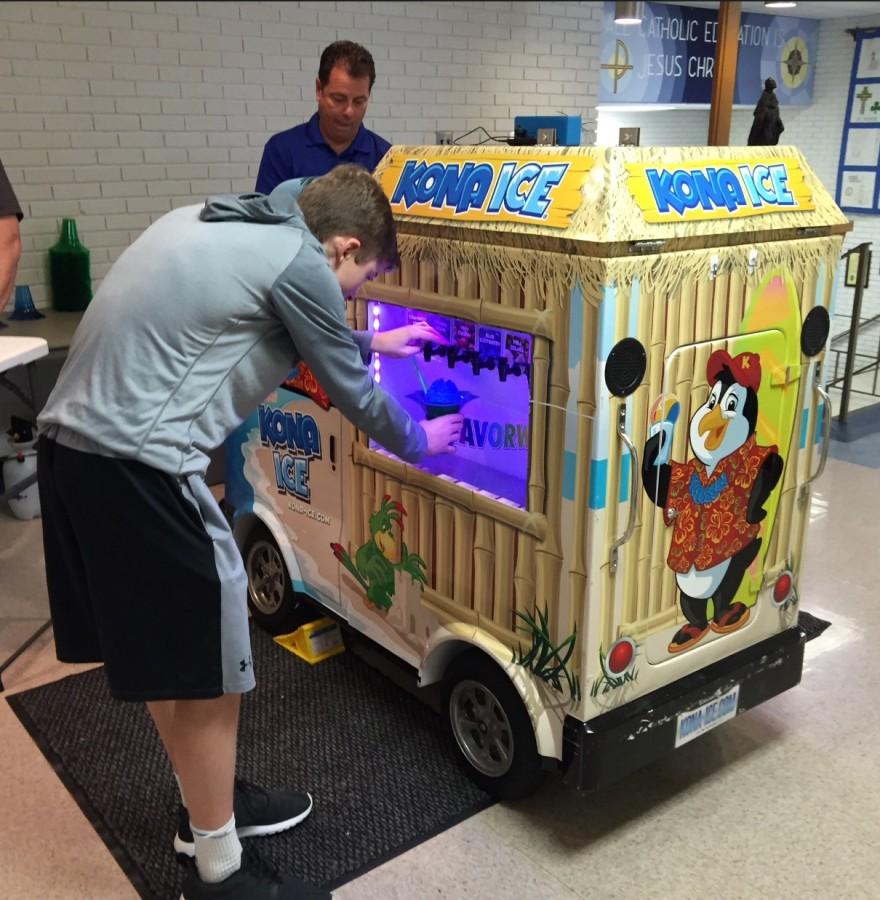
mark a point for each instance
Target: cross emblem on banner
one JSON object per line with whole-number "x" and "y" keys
{"x": 864, "y": 95}
{"x": 619, "y": 65}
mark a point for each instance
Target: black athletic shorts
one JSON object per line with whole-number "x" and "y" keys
{"x": 144, "y": 576}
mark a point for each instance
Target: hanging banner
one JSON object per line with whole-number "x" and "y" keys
{"x": 670, "y": 57}
{"x": 857, "y": 183}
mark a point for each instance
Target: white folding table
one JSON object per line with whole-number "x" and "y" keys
{"x": 14, "y": 352}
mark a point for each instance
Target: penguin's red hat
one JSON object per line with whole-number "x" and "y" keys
{"x": 745, "y": 368}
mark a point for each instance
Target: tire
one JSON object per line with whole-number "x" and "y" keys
{"x": 273, "y": 603}
{"x": 480, "y": 703}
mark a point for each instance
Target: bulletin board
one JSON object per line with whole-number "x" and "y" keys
{"x": 858, "y": 177}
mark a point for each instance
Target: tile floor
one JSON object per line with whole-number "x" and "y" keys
{"x": 783, "y": 802}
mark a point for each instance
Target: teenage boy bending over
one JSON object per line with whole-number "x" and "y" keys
{"x": 196, "y": 323}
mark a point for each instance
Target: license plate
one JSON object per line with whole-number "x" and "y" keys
{"x": 695, "y": 722}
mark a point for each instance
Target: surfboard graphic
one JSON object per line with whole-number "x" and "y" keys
{"x": 771, "y": 327}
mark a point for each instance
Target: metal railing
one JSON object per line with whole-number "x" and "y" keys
{"x": 864, "y": 325}
{"x": 873, "y": 363}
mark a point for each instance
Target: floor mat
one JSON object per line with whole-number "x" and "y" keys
{"x": 379, "y": 764}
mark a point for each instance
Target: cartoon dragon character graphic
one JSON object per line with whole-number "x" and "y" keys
{"x": 372, "y": 566}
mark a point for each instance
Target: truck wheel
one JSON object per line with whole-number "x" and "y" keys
{"x": 491, "y": 727}
{"x": 274, "y": 605}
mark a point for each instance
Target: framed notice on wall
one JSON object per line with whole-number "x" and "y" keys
{"x": 851, "y": 278}
{"x": 857, "y": 177}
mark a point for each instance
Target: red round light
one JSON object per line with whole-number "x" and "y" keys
{"x": 621, "y": 656}
{"x": 782, "y": 588}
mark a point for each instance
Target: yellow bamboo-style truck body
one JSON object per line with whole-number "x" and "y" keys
{"x": 621, "y": 532}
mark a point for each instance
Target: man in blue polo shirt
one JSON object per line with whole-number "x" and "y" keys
{"x": 335, "y": 134}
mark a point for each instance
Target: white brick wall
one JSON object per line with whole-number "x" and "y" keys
{"x": 115, "y": 112}
{"x": 816, "y": 130}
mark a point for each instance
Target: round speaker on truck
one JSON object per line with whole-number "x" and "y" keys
{"x": 625, "y": 367}
{"x": 814, "y": 331}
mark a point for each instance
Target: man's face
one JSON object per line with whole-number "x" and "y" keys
{"x": 342, "y": 103}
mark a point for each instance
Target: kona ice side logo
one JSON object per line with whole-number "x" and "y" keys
{"x": 722, "y": 189}
{"x": 295, "y": 440}
{"x": 543, "y": 190}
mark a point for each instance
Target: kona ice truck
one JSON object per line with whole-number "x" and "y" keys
{"x": 609, "y": 565}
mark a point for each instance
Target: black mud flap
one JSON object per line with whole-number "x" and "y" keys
{"x": 811, "y": 626}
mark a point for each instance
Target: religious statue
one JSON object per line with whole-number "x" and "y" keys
{"x": 767, "y": 125}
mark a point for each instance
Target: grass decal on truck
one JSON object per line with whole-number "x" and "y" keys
{"x": 543, "y": 659}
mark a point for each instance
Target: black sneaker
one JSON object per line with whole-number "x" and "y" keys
{"x": 257, "y": 811}
{"x": 255, "y": 880}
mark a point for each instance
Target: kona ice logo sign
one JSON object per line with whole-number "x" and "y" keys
{"x": 544, "y": 190}
{"x": 688, "y": 192}
{"x": 295, "y": 440}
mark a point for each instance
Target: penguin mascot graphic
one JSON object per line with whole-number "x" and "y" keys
{"x": 714, "y": 501}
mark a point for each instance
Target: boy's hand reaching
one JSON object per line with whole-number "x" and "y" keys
{"x": 443, "y": 433}
{"x": 399, "y": 343}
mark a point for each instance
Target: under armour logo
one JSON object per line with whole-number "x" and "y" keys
{"x": 243, "y": 664}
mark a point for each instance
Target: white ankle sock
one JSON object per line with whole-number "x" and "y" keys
{"x": 180, "y": 789}
{"x": 218, "y": 853}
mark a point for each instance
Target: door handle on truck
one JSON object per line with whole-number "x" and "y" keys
{"x": 633, "y": 489}
{"x": 826, "y": 441}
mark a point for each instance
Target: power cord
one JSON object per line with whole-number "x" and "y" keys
{"x": 519, "y": 139}
{"x": 488, "y": 137}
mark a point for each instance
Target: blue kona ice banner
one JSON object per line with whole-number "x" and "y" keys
{"x": 670, "y": 57}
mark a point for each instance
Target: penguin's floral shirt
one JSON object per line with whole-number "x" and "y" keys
{"x": 708, "y": 514}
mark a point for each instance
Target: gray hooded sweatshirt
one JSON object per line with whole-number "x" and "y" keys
{"x": 197, "y": 322}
